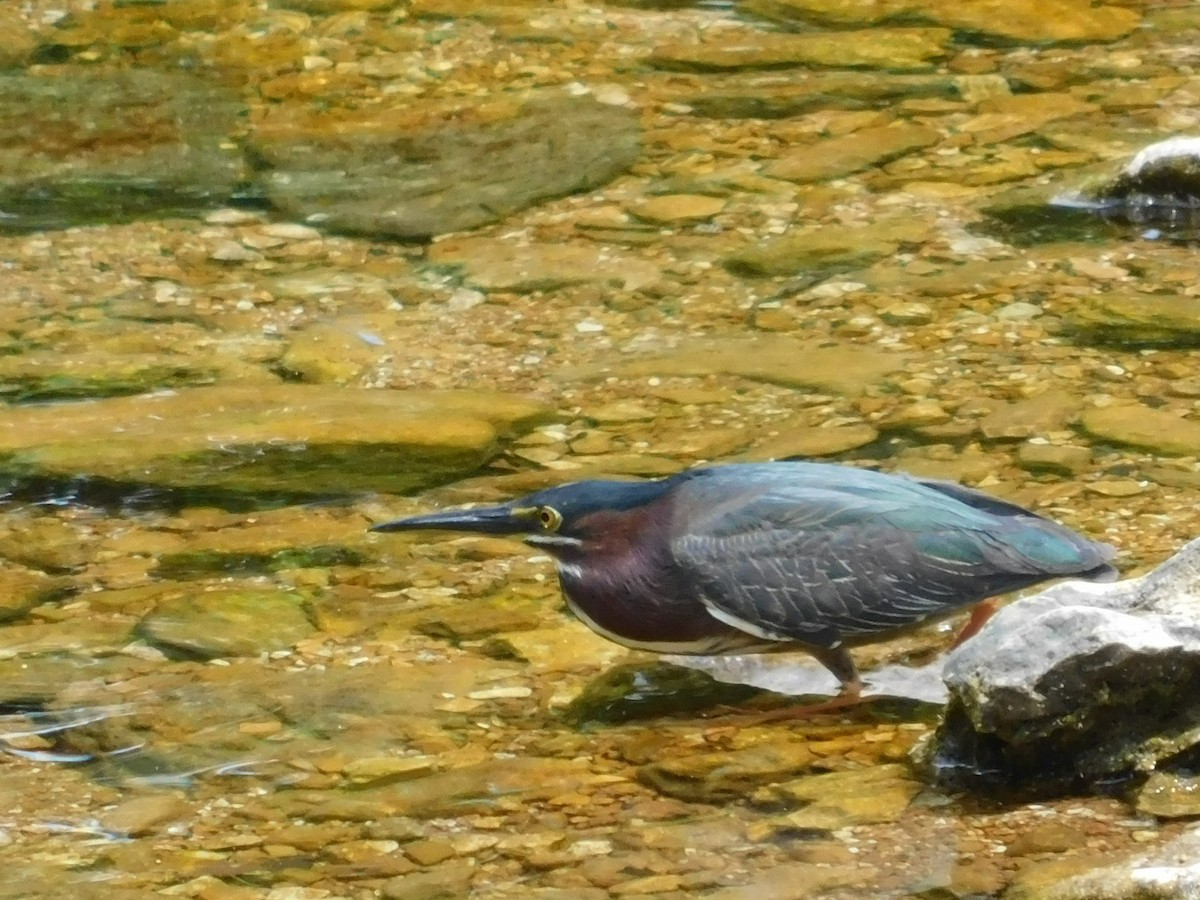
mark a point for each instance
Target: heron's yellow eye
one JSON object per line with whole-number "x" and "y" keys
{"x": 550, "y": 518}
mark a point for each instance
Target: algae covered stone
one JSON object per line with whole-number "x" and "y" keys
{"x": 282, "y": 439}
{"x": 419, "y": 170}
{"x": 1132, "y": 319}
{"x": 1135, "y": 425}
{"x": 113, "y": 145}
{"x": 221, "y": 623}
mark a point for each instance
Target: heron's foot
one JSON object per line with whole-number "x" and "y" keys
{"x": 980, "y": 613}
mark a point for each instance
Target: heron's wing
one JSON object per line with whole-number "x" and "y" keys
{"x": 820, "y": 563}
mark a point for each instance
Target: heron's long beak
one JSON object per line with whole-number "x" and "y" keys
{"x": 485, "y": 520}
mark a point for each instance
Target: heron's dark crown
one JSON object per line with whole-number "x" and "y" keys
{"x": 579, "y": 499}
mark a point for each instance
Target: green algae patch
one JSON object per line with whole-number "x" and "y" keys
{"x": 303, "y": 440}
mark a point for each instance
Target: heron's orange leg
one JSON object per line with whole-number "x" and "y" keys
{"x": 980, "y": 613}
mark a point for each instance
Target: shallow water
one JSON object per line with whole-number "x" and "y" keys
{"x": 217, "y": 684}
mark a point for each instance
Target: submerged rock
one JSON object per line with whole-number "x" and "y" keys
{"x": 774, "y": 95}
{"x": 1079, "y": 685}
{"x": 22, "y": 589}
{"x": 1136, "y": 320}
{"x": 1171, "y": 870}
{"x": 828, "y": 249}
{"x": 1072, "y": 21}
{"x": 111, "y": 145}
{"x": 1159, "y": 431}
{"x": 728, "y": 774}
{"x": 415, "y": 172}
{"x": 210, "y": 624}
{"x": 643, "y": 690}
{"x": 833, "y": 800}
{"x": 885, "y": 48}
{"x": 845, "y": 154}
{"x": 264, "y": 439}
{"x": 843, "y": 369}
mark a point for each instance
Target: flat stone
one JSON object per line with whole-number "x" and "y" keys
{"x": 646, "y": 689}
{"x": 91, "y": 637}
{"x": 1117, "y": 487}
{"x": 1169, "y": 870}
{"x": 429, "y": 853}
{"x": 849, "y": 153}
{"x": 1073, "y": 21}
{"x": 1133, "y": 319}
{"x": 114, "y": 145}
{"x": 501, "y": 266}
{"x": 677, "y": 209}
{"x": 104, "y": 369}
{"x": 1035, "y": 416}
{"x": 478, "y": 789}
{"x": 457, "y": 621}
{"x": 777, "y": 95}
{"x": 907, "y": 313}
{"x": 722, "y": 776}
{"x": 1147, "y": 428}
{"x": 798, "y": 880}
{"x": 220, "y": 623}
{"x": 336, "y": 351}
{"x": 412, "y": 171}
{"x": 1169, "y": 795}
{"x": 1003, "y": 119}
{"x": 508, "y": 11}
{"x": 806, "y": 442}
{"x": 830, "y": 248}
{"x": 646, "y": 885}
{"x": 1059, "y": 459}
{"x": 920, "y": 413}
{"x": 847, "y": 370}
{"x": 836, "y": 800}
{"x": 282, "y": 438}
{"x": 386, "y": 769}
{"x": 142, "y": 815}
{"x": 896, "y": 49}
{"x": 1048, "y": 837}
{"x": 445, "y": 882}
{"x": 1020, "y": 21}
{"x": 22, "y": 589}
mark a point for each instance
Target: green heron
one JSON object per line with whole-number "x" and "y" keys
{"x": 786, "y": 555}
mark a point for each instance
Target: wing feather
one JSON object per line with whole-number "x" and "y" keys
{"x": 821, "y": 563}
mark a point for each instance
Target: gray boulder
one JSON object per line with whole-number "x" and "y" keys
{"x": 1079, "y": 686}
